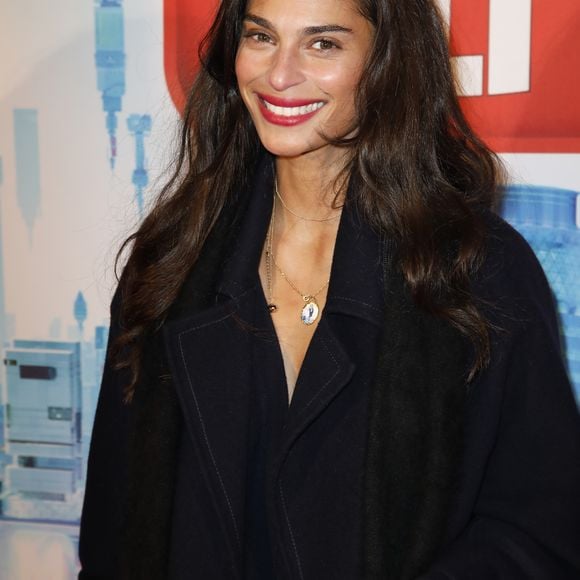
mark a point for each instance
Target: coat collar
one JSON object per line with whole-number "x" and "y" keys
{"x": 357, "y": 276}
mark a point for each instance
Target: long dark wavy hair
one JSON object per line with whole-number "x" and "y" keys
{"x": 419, "y": 173}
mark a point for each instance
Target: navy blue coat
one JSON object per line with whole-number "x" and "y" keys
{"x": 473, "y": 481}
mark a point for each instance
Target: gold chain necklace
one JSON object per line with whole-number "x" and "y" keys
{"x": 306, "y": 219}
{"x": 310, "y": 310}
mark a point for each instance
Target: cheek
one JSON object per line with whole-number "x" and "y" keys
{"x": 243, "y": 77}
{"x": 250, "y": 64}
{"x": 340, "y": 83}
{"x": 245, "y": 68}
{"x": 240, "y": 69}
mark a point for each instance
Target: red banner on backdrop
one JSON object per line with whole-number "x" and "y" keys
{"x": 184, "y": 25}
{"x": 520, "y": 66}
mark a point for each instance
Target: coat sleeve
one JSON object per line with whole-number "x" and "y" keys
{"x": 525, "y": 521}
{"x": 104, "y": 501}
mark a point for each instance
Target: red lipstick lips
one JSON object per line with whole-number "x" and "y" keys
{"x": 276, "y": 118}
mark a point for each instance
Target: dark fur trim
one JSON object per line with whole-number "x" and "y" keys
{"x": 152, "y": 460}
{"x": 415, "y": 437}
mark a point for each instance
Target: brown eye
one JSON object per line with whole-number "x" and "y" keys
{"x": 324, "y": 44}
{"x": 260, "y": 37}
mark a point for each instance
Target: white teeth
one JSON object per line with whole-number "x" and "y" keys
{"x": 293, "y": 111}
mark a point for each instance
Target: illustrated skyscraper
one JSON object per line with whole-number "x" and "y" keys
{"x": 27, "y": 155}
{"x": 549, "y": 219}
{"x": 139, "y": 126}
{"x": 80, "y": 311}
{"x": 110, "y": 62}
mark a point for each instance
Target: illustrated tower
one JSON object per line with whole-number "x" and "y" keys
{"x": 110, "y": 62}
{"x": 27, "y": 154}
{"x": 80, "y": 311}
{"x": 139, "y": 126}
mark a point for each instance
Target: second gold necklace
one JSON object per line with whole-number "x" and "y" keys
{"x": 310, "y": 310}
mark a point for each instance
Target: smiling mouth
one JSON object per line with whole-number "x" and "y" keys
{"x": 292, "y": 111}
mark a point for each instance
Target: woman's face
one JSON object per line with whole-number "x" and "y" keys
{"x": 298, "y": 65}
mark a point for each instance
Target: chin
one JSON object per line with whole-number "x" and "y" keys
{"x": 280, "y": 148}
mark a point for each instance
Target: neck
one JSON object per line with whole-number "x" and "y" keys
{"x": 310, "y": 188}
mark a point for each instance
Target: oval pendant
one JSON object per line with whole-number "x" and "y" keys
{"x": 309, "y": 312}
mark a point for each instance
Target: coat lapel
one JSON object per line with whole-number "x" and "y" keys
{"x": 208, "y": 347}
{"x": 214, "y": 396}
{"x": 329, "y": 369}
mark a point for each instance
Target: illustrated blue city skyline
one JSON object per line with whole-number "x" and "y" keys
{"x": 110, "y": 62}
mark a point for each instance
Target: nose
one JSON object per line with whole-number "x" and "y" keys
{"x": 285, "y": 69}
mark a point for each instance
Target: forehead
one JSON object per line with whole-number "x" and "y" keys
{"x": 302, "y": 13}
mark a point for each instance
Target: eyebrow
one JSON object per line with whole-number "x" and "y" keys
{"x": 308, "y": 31}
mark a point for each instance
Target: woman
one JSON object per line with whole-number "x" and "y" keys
{"x": 329, "y": 359}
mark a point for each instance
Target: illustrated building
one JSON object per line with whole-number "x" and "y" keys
{"x": 43, "y": 423}
{"x": 26, "y": 150}
{"x": 139, "y": 126}
{"x": 55, "y": 328}
{"x": 110, "y": 63}
{"x": 80, "y": 311}
{"x": 549, "y": 218}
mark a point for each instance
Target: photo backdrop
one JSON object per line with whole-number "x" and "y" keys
{"x": 90, "y": 95}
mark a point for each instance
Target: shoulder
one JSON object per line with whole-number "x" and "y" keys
{"x": 509, "y": 259}
{"x": 511, "y": 284}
